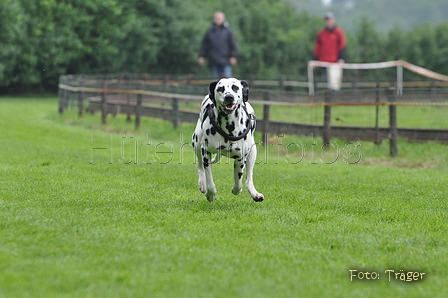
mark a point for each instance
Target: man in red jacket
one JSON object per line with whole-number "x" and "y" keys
{"x": 330, "y": 42}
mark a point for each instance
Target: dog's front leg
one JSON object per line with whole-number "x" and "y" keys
{"x": 258, "y": 197}
{"x": 201, "y": 173}
{"x": 238, "y": 168}
{"x": 211, "y": 188}
{"x": 198, "y": 151}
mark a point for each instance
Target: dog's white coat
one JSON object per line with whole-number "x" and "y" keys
{"x": 226, "y": 100}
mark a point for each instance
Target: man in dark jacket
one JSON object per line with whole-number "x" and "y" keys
{"x": 219, "y": 47}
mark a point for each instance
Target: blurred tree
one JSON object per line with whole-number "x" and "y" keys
{"x": 395, "y": 44}
{"x": 441, "y": 39}
{"x": 369, "y": 44}
{"x": 11, "y": 18}
{"x": 160, "y": 36}
{"x": 42, "y": 39}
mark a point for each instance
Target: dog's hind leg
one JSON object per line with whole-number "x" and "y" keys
{"x": 250, "y": 162}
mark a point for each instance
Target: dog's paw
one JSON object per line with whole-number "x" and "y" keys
{"x": 202, "y": 186}
{"x": 258, "y": 197}
{"x": 236, "y": 190}
{"x": 210, "y": 196}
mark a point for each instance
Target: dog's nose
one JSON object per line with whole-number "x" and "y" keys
{"x": 229, "y": 98}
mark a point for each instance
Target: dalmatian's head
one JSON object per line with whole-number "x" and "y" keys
{"x": 229, "y": 94}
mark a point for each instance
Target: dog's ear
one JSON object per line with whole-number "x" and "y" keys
{"x": 211, "y": 92}
{"x": 245, "y": 90}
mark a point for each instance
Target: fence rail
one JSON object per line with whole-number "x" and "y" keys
{"x": 163, "y": 98}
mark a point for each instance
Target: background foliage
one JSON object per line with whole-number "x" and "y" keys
{"x": 42, "y": 39}
{"x": 385, "y": 13}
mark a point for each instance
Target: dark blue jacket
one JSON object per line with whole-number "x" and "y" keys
{"x": 218, "y": 45}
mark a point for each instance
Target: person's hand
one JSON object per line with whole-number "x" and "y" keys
{"x": 232, "y": 61}
{"x": 201, "y": 60}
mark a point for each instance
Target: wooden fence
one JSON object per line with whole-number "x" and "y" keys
{"x": 109, "y": 97}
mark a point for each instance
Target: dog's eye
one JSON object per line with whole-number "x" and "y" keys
{"x": 235, "y": 88}
{"x": 220, "y": 89}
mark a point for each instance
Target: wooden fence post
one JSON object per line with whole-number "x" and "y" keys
{"x": 138, "y": 110}
{"x": 393, "y": 132}
{"x": 327, "y": 119}
{"x": 127, "y": 78}
{"x": 62, "y": 101}
{"x": 118, "y": 96}
{"x": 166, "y": 82}
{"x": 252, "y": 81}
{"x": 265, "y": 129}
{"x": 432, "y": 86}
{"x": 138, "y": 107}
{"x": 281, "y": 83}
{"x": 354, "y": 85}
{"x": 80, "y": 98}
{"x": 377, "y": 139}
{"x": 103, "y": 101}
{"x": 190, "y": 78}
{"x": 175, "y": 113}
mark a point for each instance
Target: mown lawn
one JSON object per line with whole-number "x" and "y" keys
{"x": 127, "y": 220}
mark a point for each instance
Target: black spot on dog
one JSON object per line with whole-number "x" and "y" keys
{"x": 203, "y": 151}
{"x": 242, "y": 166}
{"x": 207, "y": 131}
{"x": 235, "y": 156}
{"x": 240, "y": 175}
{"x": 222, "y": 147}
{"x": 230, "y": 127}
{"x": 237, "y": 149}
{"x": 205, "y": 162}
{"x": 241, "y": 121}
{"x": 206, "y": 142}
{"x": 213, "y": 131}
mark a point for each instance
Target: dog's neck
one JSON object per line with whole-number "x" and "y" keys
{"x": 231, "y": 122}
{"x": 234, "y": 126}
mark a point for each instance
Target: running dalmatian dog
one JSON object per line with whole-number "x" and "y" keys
{"x": 226, "y": 127}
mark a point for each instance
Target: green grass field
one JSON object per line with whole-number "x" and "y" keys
{"x": 127, "y": 220}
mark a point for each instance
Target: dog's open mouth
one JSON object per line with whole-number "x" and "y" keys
{"x": 229, "y": 108}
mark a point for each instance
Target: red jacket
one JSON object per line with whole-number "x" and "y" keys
{"x": 330, "y": 45}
